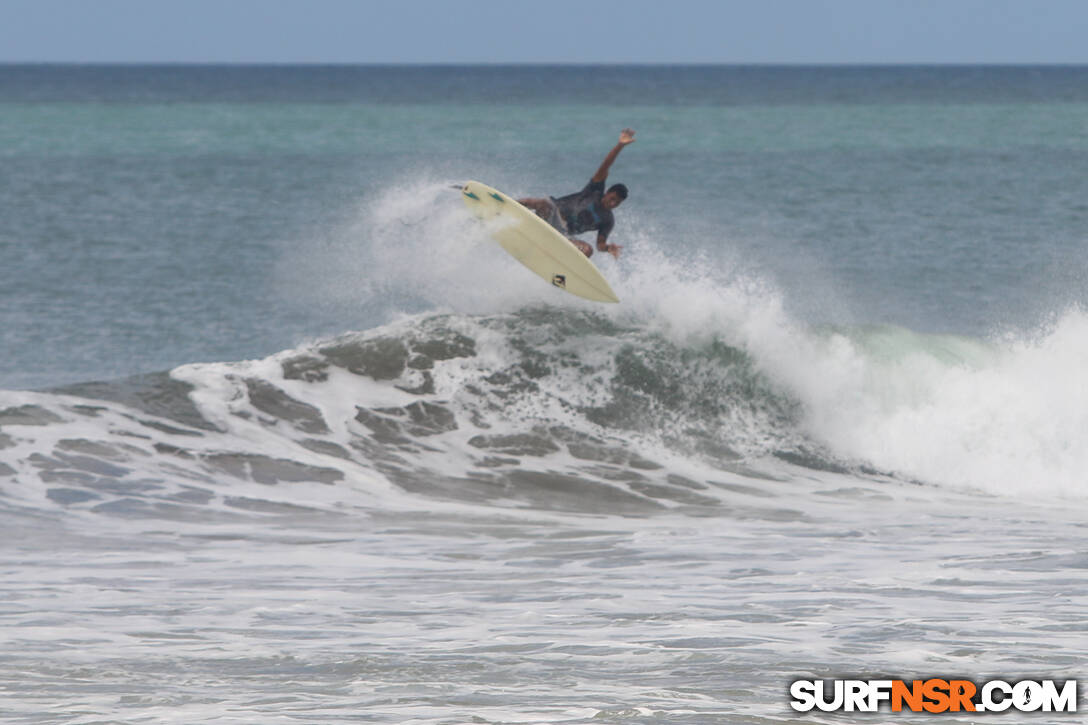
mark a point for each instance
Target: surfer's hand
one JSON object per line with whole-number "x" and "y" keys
{"x": 613, "y": 249}
{"x": 627, "y": 136}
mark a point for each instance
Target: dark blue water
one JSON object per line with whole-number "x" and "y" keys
{"x": 592, "y": 84}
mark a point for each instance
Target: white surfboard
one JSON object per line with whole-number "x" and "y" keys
{"x": 536, "y": 244}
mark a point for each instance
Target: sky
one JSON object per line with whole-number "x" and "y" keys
{"x": 544, "y": 31}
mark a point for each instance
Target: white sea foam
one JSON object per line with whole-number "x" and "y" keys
{"x": 1004, "y": 416}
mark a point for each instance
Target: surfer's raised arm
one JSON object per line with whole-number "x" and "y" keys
{"x": 627, "y": 136}
{"x": 589, "y": 209}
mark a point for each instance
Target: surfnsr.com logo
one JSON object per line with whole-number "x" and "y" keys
{"x": 934, "y": 695}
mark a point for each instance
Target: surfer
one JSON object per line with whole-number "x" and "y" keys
{"x": 588, "y": 209}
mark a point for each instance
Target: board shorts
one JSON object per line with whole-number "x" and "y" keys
{"x": 555, "y": 218}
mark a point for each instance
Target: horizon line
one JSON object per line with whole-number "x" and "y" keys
{"x": 551, "y": 64}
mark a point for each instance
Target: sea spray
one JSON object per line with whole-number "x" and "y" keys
{"x": 1000, "y": 415}
{"x": 1007, "y": 416}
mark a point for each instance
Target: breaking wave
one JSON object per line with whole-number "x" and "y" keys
{"x": 553, "y": 409}
{"x": 700, "y": 380}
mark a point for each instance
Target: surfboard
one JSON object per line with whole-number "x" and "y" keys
{"x": 536, "y": 244}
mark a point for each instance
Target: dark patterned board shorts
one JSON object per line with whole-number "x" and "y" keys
{"x": 555, "y": 218}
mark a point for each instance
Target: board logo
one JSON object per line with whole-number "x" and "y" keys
{"x": 934, "y": 695}
{"x": 560, "y": 280}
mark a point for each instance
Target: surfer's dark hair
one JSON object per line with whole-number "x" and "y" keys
{"x": 620, "y": 190}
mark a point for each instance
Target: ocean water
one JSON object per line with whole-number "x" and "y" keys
{"x": 284, "y": 438}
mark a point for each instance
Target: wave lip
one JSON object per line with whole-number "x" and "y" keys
{"x": 1005, "y": 416}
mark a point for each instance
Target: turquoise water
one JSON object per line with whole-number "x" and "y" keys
{"x": 150, "y": 212}
{"x": 285, "y": 438}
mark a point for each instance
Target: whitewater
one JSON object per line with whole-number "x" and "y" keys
{"x": 577, "y": 513}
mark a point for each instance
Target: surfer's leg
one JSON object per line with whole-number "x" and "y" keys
{"x": 542, "y": 207}
{"x": 583, "y": 247}
{"x": 547, "y": 210}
